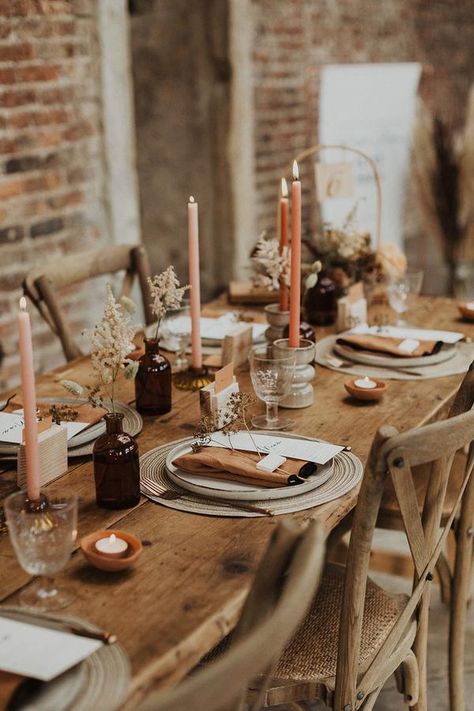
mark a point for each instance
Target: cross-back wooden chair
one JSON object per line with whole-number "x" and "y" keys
{"x": 284, "y": 586}
{"x": 455, "y": 580}
{"x": 356, "y": 634}
{"x": 42, "y": 283}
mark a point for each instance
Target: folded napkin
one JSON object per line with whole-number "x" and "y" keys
{"x": 401, "y": 347}
{"x": 232, "y": 465}
{"x": 85, "y": 411}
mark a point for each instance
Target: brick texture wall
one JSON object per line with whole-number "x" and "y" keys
{"x": 293, "y": 39}
{"x": 51, "y": 184}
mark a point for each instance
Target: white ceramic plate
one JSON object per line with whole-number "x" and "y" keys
{"x": 446, "y": 353}
{"x": 232, "y": 490}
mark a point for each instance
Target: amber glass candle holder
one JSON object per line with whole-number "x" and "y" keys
{"x": 153, "y": 381}
{"x": 116, "y": 466}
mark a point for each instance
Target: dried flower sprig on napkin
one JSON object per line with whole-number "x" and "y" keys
{"x": 273, "y": 265}
{"x": 112, "y": 341}
{"x": 235, "y": 419}
{"x": 166, "y": 292}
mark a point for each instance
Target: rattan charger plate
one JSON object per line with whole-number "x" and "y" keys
{"x": 347, "y": 473}
{"x": 99, "y": 682}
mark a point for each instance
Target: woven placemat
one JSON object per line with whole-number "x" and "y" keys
{"x": 99, "y": 682}
{"x": 347, "y": 473}
{"x": 458, "y": 364}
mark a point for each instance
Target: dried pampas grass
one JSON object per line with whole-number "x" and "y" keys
{"x": 444, "y": 175}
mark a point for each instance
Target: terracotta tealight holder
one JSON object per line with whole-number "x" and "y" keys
{"x": 466, "y": 310}
{"x": 364, "y": 393}
{"x": 111, "y": 562}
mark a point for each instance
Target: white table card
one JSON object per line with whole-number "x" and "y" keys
{"x": 307, "y": 450}
{"x": 11, "y": 427}
{"x": 419, "y": 334}
{"x": 40, "y": 652}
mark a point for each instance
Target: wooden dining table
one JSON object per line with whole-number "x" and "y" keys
{"x": 186, "y": 590}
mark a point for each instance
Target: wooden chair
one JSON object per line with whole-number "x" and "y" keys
{"x": 284, "y": 586}
{"x": 42, "y": 282}
{"x": 356, "y": 634}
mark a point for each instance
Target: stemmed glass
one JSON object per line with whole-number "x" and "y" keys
{"x": 176, "y": 330}
{"x": 272, "y": 373}
{"x": 43, "y": 542}
{"x": 401, "y": 293}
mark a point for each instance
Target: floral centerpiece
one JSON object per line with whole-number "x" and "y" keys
{"x": 271, "y": 264}
{"x": 111, "y": 343}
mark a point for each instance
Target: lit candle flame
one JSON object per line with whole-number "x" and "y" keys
{"x": 284, "y": 188}
{"x": 112, "y": 539}
{"x": 366, "y": 378}
{"x": 296, "y": 172}
{"x": 191, "y": 199}
{"x": 22, "y": 303}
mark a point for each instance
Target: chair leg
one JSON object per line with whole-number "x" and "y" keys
{"x": 369, "y": 702}
{"x": 463, "y": 569}
{"x": 445, "y": 579}
{"x": 420, "y": 648}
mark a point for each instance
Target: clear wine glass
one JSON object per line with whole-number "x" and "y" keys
{"x": 176, "y": 330}
{"x": 402, "y": 293}
{"x": 272, "y": 373}
{"x": 43, "y": 543}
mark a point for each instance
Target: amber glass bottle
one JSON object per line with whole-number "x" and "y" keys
{"x": 153, "y": 381}
{"x": 116, "y": 466}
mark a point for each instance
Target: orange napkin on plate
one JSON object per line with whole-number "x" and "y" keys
{"x": 85, "y": 411}
{"x": 232, "y": 465}
{"x": 390, "y": 346}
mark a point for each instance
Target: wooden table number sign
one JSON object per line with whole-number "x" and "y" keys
{"x": 214, "y": 398}
{"x": 52, "y": 443}
{"x": 352, "y": 308}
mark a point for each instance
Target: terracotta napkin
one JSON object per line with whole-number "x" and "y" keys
{"x": 232, "y": 465}
{"x": 85, "y": 412}
{"x": 390, "y": 346}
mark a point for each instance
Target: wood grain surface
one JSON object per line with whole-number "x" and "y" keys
{"x": 187, "y": 588}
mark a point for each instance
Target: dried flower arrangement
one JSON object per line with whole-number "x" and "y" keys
{"x": 444, "y": 177}
{"x": 112, "y": 341}
{"x": 272, "y": 266}
{"x": 235, "y": 419}
{"x": 167, "y": 294}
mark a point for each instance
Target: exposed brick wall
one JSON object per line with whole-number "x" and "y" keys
{"x": 51, "y": 161}
{"x": 293, "y": 39}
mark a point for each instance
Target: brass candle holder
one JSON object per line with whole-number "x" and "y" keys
{"x": 193, "y": 379}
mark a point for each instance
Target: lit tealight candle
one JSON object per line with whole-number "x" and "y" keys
{"x": 365, "y": 383}
{"x": 112, "y": 546}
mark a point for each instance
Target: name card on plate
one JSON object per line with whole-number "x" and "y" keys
{"x": 40, "y": 652}
{"x": 307, "y": 450}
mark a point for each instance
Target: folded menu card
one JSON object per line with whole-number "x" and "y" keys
{"x": 40, "y": 652}
{"x": 214, "y": 329}
{"x": 306, "y": 450}
{"x": 419, "y": 334}
{"x": 11, "y": 427}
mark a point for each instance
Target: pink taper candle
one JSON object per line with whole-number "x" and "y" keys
{"x": 193, "y": 249}
{"x": 283, "y": 239}
{"x": 29, "y": 403}
{"x": 295, "y": 285}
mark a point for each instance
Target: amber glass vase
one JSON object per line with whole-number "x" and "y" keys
{"x": 321, "y": 302}
{"x": 153, "y": 381}
{"x": 116, "y": 466}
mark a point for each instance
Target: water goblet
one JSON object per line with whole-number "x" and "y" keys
{"x": 272, "y": 373}
{"x": 402, "y": 292}
{"x": 176, "y": 330}
{"x": 43, "y": 543}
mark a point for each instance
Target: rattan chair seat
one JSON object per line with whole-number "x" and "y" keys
{"x": 312, "y": 653}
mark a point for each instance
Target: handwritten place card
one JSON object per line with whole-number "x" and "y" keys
{"x": 419, "y": 334}
{"x": 11, "y": 427}
{"x": 40, "y": 652}
{"x": 307, "y": 450}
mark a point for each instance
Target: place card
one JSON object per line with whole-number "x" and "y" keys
{"x": 11, "y": 430}
{"x": 306, "y": 450}
{"x": 40, "y": 652}
{"x": 420, "y": 334}
{"x": 408, "y": 345}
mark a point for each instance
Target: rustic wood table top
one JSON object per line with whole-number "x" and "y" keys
{"x": 187, "y": 588}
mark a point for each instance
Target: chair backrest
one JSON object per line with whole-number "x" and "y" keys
{"x": 43, "y": 281}
{"x": 393, "y": 457}
{"x": 284, "y": 586}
